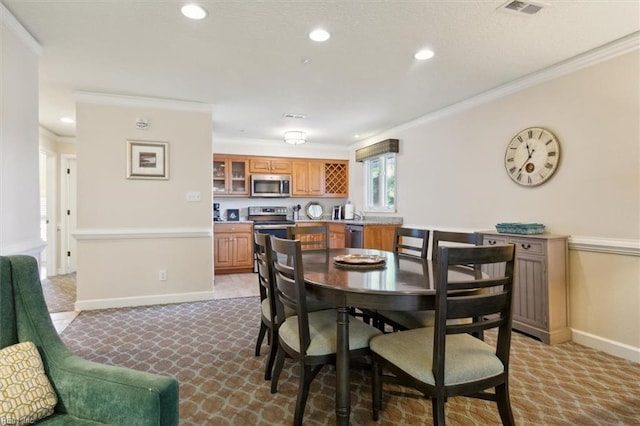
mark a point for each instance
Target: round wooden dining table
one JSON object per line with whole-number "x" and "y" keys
{"x": 402, "y": 283}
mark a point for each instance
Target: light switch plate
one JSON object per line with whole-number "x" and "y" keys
{"x": 193, "y": 197}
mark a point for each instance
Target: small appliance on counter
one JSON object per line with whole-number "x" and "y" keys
{"x": 216, "y": 212}
{"x": 296, "y": 212}
{"x": 348, "y": 211}
{"x": 336, "y": 213}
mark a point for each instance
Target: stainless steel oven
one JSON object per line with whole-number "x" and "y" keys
{"x": 270, "y": 220}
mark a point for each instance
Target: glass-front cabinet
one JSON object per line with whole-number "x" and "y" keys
{"x": 230, "y": 176}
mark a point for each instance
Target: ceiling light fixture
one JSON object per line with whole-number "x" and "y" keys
{"x": 193, "y": 11}
{"x": 424, "y": 54}
{"x": 67, "y": 120}
{"x": 295, "y": 137}
{"x": 319, "y": 35}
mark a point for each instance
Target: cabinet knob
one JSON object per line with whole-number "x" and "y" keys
{"x": 525, "y": 246}
{"x": 492, "y": 242}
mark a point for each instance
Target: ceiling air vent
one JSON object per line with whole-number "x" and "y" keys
{"x": 291, "y": 115}
{"x": 526, "y": 7}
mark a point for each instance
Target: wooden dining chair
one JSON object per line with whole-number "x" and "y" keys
{"x": 268, "y": 320}
{"x": 406, "y": 320}
{"x": 447, "y": 360}
{"x": 269, "y": 323}
{"x": 307, "y": 337}
{"x": 311, "y": 237}
{"x": 411, "y": 241}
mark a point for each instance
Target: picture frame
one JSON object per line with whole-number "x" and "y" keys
{"x": 147, "y": 160}
{"x": 233, "y": 215}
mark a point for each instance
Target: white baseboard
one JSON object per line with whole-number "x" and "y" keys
{"x": 125, "y": 302}
{"x": 611, "y": 347}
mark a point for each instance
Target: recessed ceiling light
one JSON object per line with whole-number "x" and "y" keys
{"x": 67, "y": 120}
{"x": 424, "y": 54}
{"x": 193, "y": 11}
{"x": 319, "y": 35}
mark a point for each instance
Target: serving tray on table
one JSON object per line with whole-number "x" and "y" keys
{"x": 360, "y": 261}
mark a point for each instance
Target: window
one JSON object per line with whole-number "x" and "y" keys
{"x": 380, "y": 180}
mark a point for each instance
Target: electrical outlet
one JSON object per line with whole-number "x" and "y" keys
{"x": 162, "y": 276}
{"x": 193, "y": 197}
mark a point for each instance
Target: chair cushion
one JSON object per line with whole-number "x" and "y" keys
{"x": 467, "y": 358}
{"x": 323, "y": 334}
{"x": 26, "y": 395}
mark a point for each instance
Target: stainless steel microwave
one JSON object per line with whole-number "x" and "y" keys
{"x": 270, "y": 186}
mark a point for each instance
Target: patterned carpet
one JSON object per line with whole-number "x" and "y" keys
{"x": 208, "y": 347}
{"x": 60, "y": 292}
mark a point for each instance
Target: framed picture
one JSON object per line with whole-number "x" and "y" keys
{"x": 233, "y": 215}
{"x": 147, "y": 160}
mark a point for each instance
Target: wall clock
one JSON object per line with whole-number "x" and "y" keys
{"x": 532, "y": 156}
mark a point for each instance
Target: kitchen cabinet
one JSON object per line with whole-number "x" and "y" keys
{"x": 336, "y": 235}
{"x": 232, "y": 247}
{"x": 273, "y": 166}
{"x": 311, "y": 237}
{"x": 379, "y": 237}
{"x": 307, "y": 178}
{"x": 336, "y": 179}
{"x": 540, "y": 284}
{"x": 320, "y": 178}
{"x": 230, "y": 176}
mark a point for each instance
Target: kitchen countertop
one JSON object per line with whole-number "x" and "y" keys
{"x": 366, "y": 221}
{"x": 382, "y": 220}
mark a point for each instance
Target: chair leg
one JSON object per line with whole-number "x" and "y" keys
{"x": 504, "y": 405}
{"x": 376, "y": 389}
{"x": 261, "y": 333}
{"x": 277, "y": 369}
{"x": 306, "y": 376}
{"x": 273, "y": 349}
{"x": 437, "y": 405}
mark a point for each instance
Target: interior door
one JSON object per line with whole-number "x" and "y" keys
{"x": 69, "y": 254}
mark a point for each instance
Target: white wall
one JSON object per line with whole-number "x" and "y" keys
{"x": 450, "y": 173}
{"x": 130, "y": 230}
{"x": 19, "y": 193}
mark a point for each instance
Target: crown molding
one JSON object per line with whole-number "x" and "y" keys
{"x": 7, "y": 18}
{"x": 608, "y": 51}
{"x": 135, "y": 101}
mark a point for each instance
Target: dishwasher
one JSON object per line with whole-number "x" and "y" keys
{"x": 353, "y": 236}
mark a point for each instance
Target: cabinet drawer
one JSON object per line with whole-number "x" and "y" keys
{"x": 232, "y": 228}
{"x": 492, "y": 240}
{"x": 528, "y": 246}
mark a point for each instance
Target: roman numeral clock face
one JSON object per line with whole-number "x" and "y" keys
{"x": 532, "y": 156}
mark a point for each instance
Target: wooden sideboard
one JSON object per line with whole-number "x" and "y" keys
{"x": 540, "y": 287}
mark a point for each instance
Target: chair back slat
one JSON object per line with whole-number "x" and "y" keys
{"x": 286, "y": 259}
{"x": 458, "y": 238}
{"x": 411, "y": 241}
{"x": 476, "y": 306}
{"x": 311, "y": 237}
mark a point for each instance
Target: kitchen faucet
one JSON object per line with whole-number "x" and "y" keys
{"x": 359, "y": 215}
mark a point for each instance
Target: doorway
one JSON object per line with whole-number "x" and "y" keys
{"x": 47, "y": 189}
{"x": 69, "y": 214}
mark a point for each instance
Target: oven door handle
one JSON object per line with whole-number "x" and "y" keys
{"x": 259, "y": 227}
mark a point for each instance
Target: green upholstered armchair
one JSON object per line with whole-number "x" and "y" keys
{"x": 88, "y": 392}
